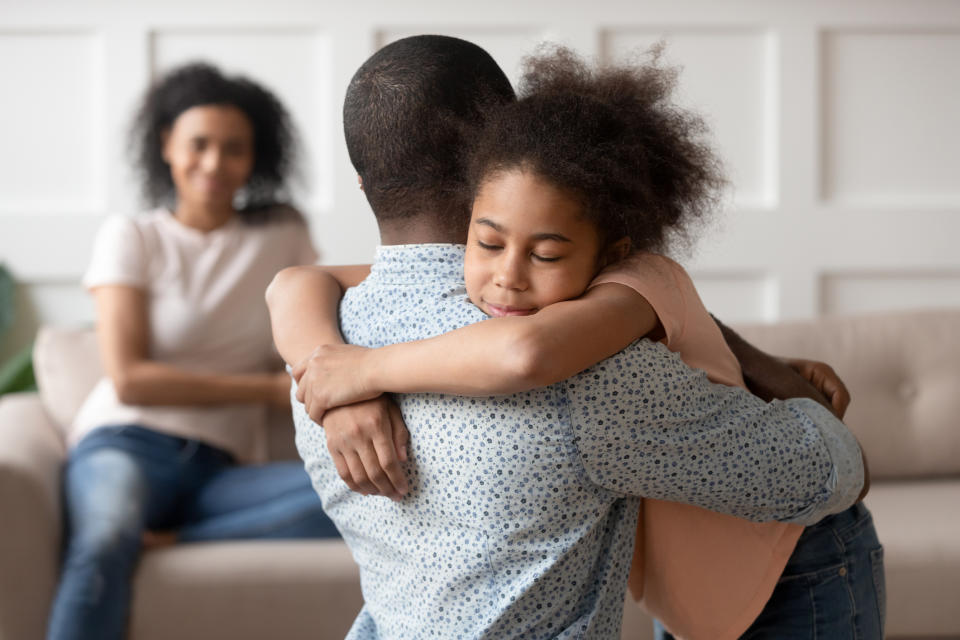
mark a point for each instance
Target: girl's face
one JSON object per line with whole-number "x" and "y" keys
{"x": 528, "y": 246}
{"x": 210, "y": 152}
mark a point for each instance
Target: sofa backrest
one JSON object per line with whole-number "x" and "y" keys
{"x": 902, "y": 369}
{"x": 903, "y": 373}
{"x": 67, "y": 365}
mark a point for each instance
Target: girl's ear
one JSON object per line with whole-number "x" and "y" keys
{"x": 360, "y": 181}
{"x": 616, "y": 252}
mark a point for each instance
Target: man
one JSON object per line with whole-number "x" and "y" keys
{"x": 521, "y": 516}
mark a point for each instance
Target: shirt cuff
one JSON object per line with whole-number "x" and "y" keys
{"x": 846, "y": 477}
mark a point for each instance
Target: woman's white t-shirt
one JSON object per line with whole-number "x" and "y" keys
{"x": 206, "y": 313}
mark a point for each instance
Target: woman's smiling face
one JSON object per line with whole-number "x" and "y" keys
{"x": 528, "y": 246}
{"x": 210, "y": 152}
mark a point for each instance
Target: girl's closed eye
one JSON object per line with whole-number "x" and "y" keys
{"x": 542, "y": 258}
{"x": 489, "y": 246}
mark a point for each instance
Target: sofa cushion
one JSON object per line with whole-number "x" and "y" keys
{"x": 919, "y": 527}
{"x": 67, "y": 365}
{"x": 290, "y": 589}
{"x": 903, "y": 372}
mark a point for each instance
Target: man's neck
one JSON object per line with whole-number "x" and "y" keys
{"x": 419, "y": 230}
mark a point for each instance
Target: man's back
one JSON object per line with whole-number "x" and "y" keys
{"x": 497, "y": 501}
{"x": 519, "y": 521}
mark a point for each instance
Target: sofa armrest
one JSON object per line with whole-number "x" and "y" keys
{"x": 31, "y": 456}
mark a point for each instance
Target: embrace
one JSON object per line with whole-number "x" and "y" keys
{"x": 568, "y": 419}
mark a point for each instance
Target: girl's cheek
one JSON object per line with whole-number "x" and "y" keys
{"x": 473, "y": 281}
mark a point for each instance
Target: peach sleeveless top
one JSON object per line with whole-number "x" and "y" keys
{"x": 704, "y": 575}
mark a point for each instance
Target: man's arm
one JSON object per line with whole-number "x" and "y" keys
{"x": 770, "y": 377}
{"x": 781, "y": 378}
{"x": 648, "y": 425}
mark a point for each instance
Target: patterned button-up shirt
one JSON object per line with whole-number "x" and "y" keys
{"x": 522, "y": 510}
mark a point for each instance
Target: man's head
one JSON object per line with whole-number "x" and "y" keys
{"x": 407, "y": 115}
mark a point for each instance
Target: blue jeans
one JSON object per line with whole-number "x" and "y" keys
{"x": 832, "y": 587}
{"x": 122, "y": 480}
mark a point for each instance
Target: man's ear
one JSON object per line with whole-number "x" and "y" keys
{"x": 616, "y": 252}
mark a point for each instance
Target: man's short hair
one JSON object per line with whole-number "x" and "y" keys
{"x": 408, "y": 112}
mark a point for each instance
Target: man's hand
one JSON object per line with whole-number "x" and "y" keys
{"x": 332, "y": 376}
{"x": 825, "y": 380}
{"x": 368, "y": 444}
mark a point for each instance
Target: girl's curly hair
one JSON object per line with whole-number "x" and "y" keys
{"x": 611, "y": 137}
{"x": 274, "y": 136}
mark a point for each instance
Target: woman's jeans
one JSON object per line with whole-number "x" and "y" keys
{"x": 120, "y": 481}
{"x": 832, "y": 587}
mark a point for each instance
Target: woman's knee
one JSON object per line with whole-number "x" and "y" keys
{"x": 105, "y": 494}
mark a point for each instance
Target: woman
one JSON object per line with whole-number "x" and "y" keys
{"x": 185, "y": 342}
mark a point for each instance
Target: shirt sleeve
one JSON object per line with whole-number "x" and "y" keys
{"x": 647, "y": 425}
{"x": 118, "y": 255}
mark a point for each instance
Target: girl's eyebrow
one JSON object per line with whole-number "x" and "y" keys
{"x": 490, "y": 223}
{"x": 537, "y": 236}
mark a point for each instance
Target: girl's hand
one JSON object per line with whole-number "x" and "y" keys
{"x": 825, "y": 380}
{"x": 368, "y": 444}
{"x": 332, "y": 376}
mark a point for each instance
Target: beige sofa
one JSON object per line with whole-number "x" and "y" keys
{"x": 903, "y": 371}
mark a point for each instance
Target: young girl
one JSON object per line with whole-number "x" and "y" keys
{"x": 577, "y": 187}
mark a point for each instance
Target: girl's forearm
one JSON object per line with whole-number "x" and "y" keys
{"x": 481, "y": 359}
{"x": 509, "y": 355}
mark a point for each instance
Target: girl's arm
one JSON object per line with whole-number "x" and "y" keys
{"x": 497, "y": 356}
{"x": 122, "y": 333}
{"x": 368, "y": 440}
{"x": 303, "y": 304}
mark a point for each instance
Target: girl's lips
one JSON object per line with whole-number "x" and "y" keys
{"x": 500, "y": 311}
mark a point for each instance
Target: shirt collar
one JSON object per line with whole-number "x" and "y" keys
{"x": 419, "y": 263}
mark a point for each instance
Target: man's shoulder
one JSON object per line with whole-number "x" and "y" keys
{"x": 402, "y": 311}
{"x": 644, "y": 368}
{"x": 645, "y": 358}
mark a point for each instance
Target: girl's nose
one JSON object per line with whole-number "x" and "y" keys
{"x": 510, "y": 273}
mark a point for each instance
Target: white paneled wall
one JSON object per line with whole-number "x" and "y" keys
{"x": 836, "y": 121}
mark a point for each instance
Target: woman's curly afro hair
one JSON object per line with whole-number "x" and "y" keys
{"x": 611, "y": 137}
{"x": 274, "y": 136}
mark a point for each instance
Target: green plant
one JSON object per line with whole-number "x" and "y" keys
{"x": 16, "y": 374}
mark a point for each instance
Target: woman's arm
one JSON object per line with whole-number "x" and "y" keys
{"x": 303, "y": 304}
{"x": 501, "y": 355}
{"x": 123, "y": 335}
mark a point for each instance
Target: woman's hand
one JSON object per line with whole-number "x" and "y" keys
{"x": 368, "y": 444}
{"x": 279, "y": 390}
{"x": 825, "y": 380}
{"x": 333, "y": 376}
